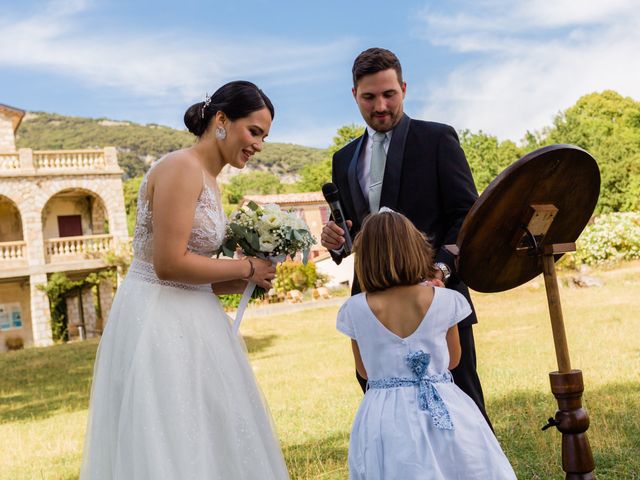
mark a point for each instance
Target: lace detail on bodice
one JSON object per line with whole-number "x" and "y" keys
{"x": 207, "y": 232}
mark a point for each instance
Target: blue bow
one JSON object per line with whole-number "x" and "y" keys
{"x": 428, "y": 397}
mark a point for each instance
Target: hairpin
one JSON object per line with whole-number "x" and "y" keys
{"x": 207, "y": 102}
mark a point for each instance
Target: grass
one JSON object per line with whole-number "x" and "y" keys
{"x": 305, "y": 370}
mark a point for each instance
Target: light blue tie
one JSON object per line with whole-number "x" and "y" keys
{"x": 376, "y": 171}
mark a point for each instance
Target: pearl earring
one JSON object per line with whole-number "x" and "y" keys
{"x": 221, "y": 133}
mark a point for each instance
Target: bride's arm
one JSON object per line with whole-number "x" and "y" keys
{"x": 229, "y": 287}
{"x": 177, "y": 183}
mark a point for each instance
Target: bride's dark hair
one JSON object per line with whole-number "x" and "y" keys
{"x": 236, "y": 99}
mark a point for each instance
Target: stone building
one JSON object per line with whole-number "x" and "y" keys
{"x": 60, "y": 211}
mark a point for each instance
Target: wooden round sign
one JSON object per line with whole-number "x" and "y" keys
{"x": 545, "y": 198}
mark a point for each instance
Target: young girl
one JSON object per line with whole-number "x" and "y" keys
{"x": 414, "y": 422}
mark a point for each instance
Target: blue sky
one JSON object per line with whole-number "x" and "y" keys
{"x": 500, "y": 66}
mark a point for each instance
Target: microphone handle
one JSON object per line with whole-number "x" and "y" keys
{"x": 338, "y": 218}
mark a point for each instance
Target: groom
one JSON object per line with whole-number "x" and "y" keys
{"x": 411, "y": 166}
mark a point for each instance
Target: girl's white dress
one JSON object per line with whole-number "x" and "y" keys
{"x": 414, "y": 422}
{"x": 173, "y": 394}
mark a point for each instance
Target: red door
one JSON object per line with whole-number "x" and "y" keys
{"x": 70, "y": 225}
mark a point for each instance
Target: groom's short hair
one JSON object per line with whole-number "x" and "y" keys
{"x": 390, "y": 251}
{"x": 374, "y": 60}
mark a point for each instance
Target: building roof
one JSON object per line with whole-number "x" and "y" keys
{"x": 286, "y": 198}
{"x": 15, "y": 113}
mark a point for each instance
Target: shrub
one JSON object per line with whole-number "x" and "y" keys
{"x": 294, "y": 275}
{"x": 230, "y": 301}
{"x": 611, "y": 238}
{"x": 14, "y": 343}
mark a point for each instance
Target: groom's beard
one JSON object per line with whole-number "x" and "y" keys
{"x": 383, "y": 121}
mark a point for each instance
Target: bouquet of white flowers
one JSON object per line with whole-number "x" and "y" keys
{"x": 266, "y": 232}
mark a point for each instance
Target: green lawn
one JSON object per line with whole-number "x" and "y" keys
{"x": 305, "y": 369}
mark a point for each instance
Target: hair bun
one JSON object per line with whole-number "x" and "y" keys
{"x": 193, "y": 119}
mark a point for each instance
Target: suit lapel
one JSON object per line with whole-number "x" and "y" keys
{"x": 393, "y": 165}
{"x": 360, "y": 203}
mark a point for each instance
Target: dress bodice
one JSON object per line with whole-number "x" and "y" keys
{"x": 384, "y": 353}
{"x": 207, "y": 232}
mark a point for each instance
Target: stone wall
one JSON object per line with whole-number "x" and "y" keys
{"x": 105, "y": 294}
{"x": 7, "y": 137}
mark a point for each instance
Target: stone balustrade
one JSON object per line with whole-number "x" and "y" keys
{"x": 9, "y": 161}
{"x": 47, "y": 162}
{"x": 10, "y": 251}
{"x": 83, "y": 246}
{"x": 84, "y": 159}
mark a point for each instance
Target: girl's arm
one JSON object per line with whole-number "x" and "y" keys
{"x": 453, "y": 343}
{"x": 356, "y": 355}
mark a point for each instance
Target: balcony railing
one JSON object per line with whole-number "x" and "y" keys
{"x": 9, "y": 161}
{"x": 51, "y": 159}
{"x": 13, "y": 251}
{"x": 48, "y": 162}
{"x": 85, "y": 246}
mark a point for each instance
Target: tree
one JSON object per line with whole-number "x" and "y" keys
{"x": 345, "y": 134}
{"x": 607, "y": 125}
{"x": 486, "y": 156}
{"x": 257, "y": 183}
{"x": 314, "y": 175}
{"x": 130, "y": 189}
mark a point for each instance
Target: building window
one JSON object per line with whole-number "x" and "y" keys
{"x": 69, "y": 225}
{"x": 10, "y": 316}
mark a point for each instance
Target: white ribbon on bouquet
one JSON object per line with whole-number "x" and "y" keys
{"x": 248, "y": 291}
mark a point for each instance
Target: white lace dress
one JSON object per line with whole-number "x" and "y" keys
{"x": 173, "y": 394}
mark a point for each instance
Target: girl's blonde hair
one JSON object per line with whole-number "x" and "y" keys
{"x": 390, "y": 251}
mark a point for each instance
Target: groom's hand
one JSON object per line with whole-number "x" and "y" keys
{"x": 332, "y": 237}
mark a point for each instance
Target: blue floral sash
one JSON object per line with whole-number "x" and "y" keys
{"x": 428, "y": 397}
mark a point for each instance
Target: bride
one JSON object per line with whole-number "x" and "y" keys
{"x": 173, "y": 394}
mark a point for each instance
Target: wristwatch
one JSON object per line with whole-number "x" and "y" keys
{"x": 444, "y": 268}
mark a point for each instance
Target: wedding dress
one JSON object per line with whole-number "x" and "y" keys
{"x": 173, "y": 394}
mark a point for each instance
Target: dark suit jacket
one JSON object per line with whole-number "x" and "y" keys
{"x": 426, "y": 178}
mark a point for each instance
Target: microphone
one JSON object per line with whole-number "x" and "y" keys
{"x": 330, "y": 192}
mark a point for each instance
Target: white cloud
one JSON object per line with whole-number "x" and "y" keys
{"x": 305, "y": 133}
{"x": 159, "y": 65}
{"x": 528, "y": 61}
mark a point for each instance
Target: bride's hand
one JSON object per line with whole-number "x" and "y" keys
{"x": 263, "y": 272}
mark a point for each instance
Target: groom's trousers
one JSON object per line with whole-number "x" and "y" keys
{"x": 465, "y": 374}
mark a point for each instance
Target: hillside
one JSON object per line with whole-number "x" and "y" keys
{"x": 139, "y": 145}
